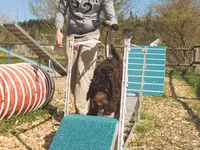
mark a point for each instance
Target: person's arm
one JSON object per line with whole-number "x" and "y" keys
{"x": 59, "y": 21}
{"x": 109, "y": 11}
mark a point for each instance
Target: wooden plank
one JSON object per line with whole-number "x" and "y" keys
{"x": 196, "y": 62}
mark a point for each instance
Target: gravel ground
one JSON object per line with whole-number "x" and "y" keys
{"x": 173, "y": 127}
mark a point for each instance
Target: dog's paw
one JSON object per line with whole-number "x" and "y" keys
{"x": 112, "y": 115}
{"x": 92, "y": 112}
{"x": 107, "y": 113}
{"x": 100, "y": 113}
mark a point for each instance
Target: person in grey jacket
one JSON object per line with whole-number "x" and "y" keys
{"x": 83, "y": 24}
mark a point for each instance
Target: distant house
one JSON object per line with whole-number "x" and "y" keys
{"x": 146, "y": 42}
{"x": 156, "y": 42}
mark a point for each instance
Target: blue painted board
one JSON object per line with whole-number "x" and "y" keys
{"x": 147, "y": 73}
{"x": 157, "y": 62}
{"x": 145, "y": 93}
{"x": 148, "y": 67}
{"x": 149, "y": 51}
{"x": 149, "y": 56}
{"x": 150, "y": 87}
{"x": 146, "y": 79}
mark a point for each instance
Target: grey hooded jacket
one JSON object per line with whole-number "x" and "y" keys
{"x": 84, "y": 15}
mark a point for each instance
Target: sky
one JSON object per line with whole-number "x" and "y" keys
{"x": 18, "y": 10}
{"x": 143, "y": 4}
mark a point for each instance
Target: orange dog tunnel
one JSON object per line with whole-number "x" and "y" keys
{"x": 24, "y": 88}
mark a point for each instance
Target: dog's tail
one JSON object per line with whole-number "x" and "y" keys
{"x": 114, "y": 53}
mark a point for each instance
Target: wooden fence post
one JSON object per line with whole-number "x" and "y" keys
{"x": 196, "y": 66}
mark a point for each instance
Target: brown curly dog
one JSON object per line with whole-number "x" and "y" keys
{"x": 105, "y": 88}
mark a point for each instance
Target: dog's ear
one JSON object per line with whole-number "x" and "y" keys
{"x": 112, "y": 107}
{"x": 88, "y": 97}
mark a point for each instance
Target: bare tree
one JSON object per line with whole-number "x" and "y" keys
{"x": 43, "y": 9}
{"x": 6, "y": 17}
{"x": 178, "y": 22}
{"x": 125, "y": 7}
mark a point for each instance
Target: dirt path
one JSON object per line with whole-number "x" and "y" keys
{"x": 170, "y": 120}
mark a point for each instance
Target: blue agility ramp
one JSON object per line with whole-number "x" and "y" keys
{"x": 154, "y": 74}
{"x": 80, "y": 132}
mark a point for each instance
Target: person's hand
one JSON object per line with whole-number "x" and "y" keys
{"x": 115, "y": 27}
{"x": 109, "y": 24}
{"x": 59, "y": 38}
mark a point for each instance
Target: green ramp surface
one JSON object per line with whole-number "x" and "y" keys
{"x": 81, "y": 132}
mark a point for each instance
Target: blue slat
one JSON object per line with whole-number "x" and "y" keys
{"x": 147, "y": 73}
{"x": 149, "y": 51}
{"x": 145, "y": 93}
{"x": 151, "y": 87}
{"x": 155, "y": 62}
{"x": 132, "y": 66}
{"x": 149, "y": 47}
{"x": 146, "y": 79}
{"x": 149, "y": 56}
{"x": 147, "y": 61}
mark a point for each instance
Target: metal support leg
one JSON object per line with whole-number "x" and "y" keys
{"x": 8, "y": 54}
{"x": 52, "y": 68}
{"x": 70, "y": 50}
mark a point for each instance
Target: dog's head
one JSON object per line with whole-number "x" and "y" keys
{"x": 99, "y": 101}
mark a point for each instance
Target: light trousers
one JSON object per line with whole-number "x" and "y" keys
{"x": 84, "y": 63}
